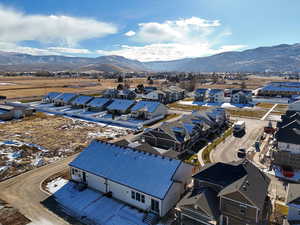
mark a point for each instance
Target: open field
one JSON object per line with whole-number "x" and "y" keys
{"x": 42, "y": 139}
{"x": 252, "y": 83}
{"x": 18, "y": 87}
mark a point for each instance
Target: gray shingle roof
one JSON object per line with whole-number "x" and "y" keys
{"x": 293, "y": 195}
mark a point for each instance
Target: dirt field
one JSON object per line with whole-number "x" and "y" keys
{"x": 252, "y": 83}
{"x": 41, "y": 139}
{"x": 11, "y": 216}
{"x": 18, "y": 87}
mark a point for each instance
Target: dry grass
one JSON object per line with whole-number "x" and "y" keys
{"x": 246, "y": 113}
{"x": 35, "y": 86}
{"x": 265, "y": 105}
{"x": 176, "y": 105}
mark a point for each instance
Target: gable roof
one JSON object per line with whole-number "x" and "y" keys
{"x": 206, "y": 200}
{"x": 98, "y": 102}
{"x": 66, "y": 97}
{"x": 52, "y": 95}
{"x": 120, "y": 104}
{"x": 201, "y": 90}
{"x": 289, "y": 133}
{"x": 147, "y": 173}
{"x": 214, "y": 91}
{"x": 148, "y": 106}
{"x": 82, "y": 99}
{"x": 293, "y": 195}
{"x": 242, "y": 177}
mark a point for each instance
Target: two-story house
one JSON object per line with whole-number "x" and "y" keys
{"x": 201, "y": 95}
{"x": 216, "y": 96}
{"x": 226, "y": 194}
{"x": 239, "y": 96}
{"x": 293, "y": 202}
{"x": 286, "y": 154}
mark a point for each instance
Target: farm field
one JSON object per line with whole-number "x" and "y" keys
{"x": 20, "y": 87}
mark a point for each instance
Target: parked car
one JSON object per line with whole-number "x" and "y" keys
{"x": 241, "y": 153}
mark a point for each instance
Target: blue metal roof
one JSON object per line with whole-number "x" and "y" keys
{"x": 82, "y": 99}
{"x": 214, "y": 91}
{"x": 53, "y": 95}
{"x": 147, "y": 105}
{"x": 98, "y": 102}
{"x": 201, "y": 90}
{"x": 141, "y": 171}
{"x": 66, "y": 97}
{"x": 120, "y": 104}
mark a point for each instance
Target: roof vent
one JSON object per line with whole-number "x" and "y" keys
{"x": 244, "y": 188}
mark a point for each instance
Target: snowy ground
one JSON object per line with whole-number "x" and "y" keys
{"x": 223, "y": 105}
{"x": 56, "y": 184}
{"x": 93, "y": 206}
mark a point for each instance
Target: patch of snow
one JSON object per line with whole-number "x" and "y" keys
{"x": 3, "y": 169}
{"x": 97, "y": 208}
{"x": 223, "y": 105}
{"x": 4, "y": 84}
{"x": 38, "y": 162}
{"x": 56, "y": 184}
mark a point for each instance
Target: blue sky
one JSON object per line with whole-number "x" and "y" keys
{"x": 146, "y": 30}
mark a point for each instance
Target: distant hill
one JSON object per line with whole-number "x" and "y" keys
{"x": 275, "y": 58}
{"x": 25, "y": 62}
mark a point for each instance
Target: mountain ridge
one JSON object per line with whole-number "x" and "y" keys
{"x": 278, "y": 58}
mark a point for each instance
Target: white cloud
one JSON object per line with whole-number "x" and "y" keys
{"x": 130, "y": 33}
{"x": 191, "y": 37}
{"x": 70, "y": 50}
{"x": 64, "y": 30}
{"x": 171, "y": 51}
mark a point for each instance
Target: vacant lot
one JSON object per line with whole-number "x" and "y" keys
{"x": 41, "y": 139}
{"x": 19, "y": 87}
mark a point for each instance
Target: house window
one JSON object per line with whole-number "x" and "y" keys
{"x": 243, "y": 209}
{"x": 138, "y": 197}
{"x": 132, "y": 194}
{"x": 154, "y": 205}
{"x": 143, "y": 198}
{"x": 73, "y": 171}
{"x": 224, "y": 220}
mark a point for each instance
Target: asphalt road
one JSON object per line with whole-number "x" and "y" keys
{"x": 23, "y": 192}
{"x": 227, "y": 151}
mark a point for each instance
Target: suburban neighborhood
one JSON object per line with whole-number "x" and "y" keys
{"x": 149, "y": 112}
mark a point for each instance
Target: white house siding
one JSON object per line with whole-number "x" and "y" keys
{"x": 152, "y": 95}
{"x": 294, "y": 212}
{"x": 120, "y": 192}
{"x": 183, "y": 174}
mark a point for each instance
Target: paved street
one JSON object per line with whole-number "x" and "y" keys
{"x": 23, "y": 192}
{"x": 227, "y": 151}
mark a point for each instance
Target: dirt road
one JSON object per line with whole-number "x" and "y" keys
{"x": 23, "y": 192}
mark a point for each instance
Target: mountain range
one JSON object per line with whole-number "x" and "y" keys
{"x": 275, "y": 58}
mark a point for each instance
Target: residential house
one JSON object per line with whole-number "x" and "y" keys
{"x": 148, "y": 182}
{"x": 110, "y": 93}
{"x": 157, "y": 95}
{"x": 10, "y": 111}
{"x": 227, "y": 194}
{"x": 186, "y": 134}
{"x": 120, "y": 106}
{"x": 126, "y": 94}
{"x": 98, "y": 104}
{"x": 286, "y": 154}
{"x": 239, "y": 96}
{"x": 283, "y": 89}
{"x": 147, "y": 110}
{"x": 293, "y": 202}
{"x": 49, "y": 98}
{"x": 216, "y": 96}
{"x": 201, "y": 95}
{"x": 64, "y": 99}
{"x": 81, "y": 101}
{"x": 145, "y": 147}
